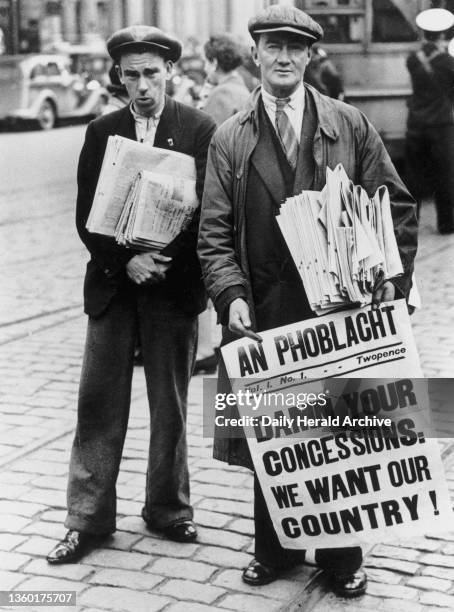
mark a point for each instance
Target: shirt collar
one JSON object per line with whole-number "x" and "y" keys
{"x": 141, "y": 119}
{"x": 327, "y": 118}
{"x": 296, "y": 99}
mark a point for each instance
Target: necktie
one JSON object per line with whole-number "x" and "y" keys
{"x": 286, "y": 132}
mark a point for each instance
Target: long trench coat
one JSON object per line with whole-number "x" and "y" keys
{"x": 343, "y": 135}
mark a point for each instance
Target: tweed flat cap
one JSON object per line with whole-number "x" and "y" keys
{"x": 143, "y": 38}
{"x": 435, "y": 20}
{"x": 278, "y": 18}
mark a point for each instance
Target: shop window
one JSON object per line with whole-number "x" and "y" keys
{"x": 341, "y": 28}
{"x": 390, "y": 24}
{"x": 342, "y": 20}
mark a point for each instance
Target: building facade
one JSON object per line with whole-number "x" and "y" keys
{"x": 40, "y": 25}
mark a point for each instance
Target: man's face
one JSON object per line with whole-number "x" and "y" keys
{"x": 144, "y": 75}
{"x": 282, "y": 57}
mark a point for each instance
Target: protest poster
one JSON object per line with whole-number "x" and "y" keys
{"x": 337, "y": 420}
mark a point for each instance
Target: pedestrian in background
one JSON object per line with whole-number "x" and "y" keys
{"x": 226, "y": 95}
{"x": 118, "y": 94}
{"x": 127, "y": 293}
{"x": 278, "y": 146}
{"x": 322, "y": 74}
{"x": 430, "y": 126}
{"x": 224, "y": 55}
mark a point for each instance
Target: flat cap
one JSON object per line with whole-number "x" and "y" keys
{"x": 278, "y": 18}
{"x": 435, "y": 20}
{"x": 141, "y": 38}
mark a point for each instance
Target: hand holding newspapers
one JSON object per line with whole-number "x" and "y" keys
{"x": 341, "y": 241}
{"x": 145, "y": 195}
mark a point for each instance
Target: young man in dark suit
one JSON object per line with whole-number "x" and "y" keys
{"x": 127, "y": 293}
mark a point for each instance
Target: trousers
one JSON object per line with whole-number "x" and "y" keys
{"x": 168, "y": 339}
{"x": 269, "y": 551}
{"x": 430, "y": 169}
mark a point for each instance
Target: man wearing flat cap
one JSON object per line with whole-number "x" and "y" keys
{"x": 129, "y": 294}
{"x": 278, "y": 146}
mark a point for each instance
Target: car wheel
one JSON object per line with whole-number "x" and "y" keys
{"x": 47, "y": 116}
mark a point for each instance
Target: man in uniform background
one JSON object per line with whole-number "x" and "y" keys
{"x": 430, "y": 126}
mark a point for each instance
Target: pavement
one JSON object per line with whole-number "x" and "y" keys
{"x": 42, "y": 256}
{"x": 135, "y": 570}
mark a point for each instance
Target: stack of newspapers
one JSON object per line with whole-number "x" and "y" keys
{"x": 341, "y": 240}
{"x": 157, "y": 208}
{"x": 145, "y": 195}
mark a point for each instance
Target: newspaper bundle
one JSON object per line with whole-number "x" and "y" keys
{"x": 341, "y": 241}
{"x": 157, "y": 208}
{"x": 145, "y": 195}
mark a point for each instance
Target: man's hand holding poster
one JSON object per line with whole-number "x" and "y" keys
{"x": 341, "y": 461}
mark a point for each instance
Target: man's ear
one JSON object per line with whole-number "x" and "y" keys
{"x": 120, "y": 73}
{"x": 169, "y": 69}
{"x": 255, "y": 56}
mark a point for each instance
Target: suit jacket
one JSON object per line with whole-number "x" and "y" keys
{"x": 181, "y": 128}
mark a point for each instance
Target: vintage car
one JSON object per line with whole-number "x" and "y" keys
{"x": 41, "y": 89}
{"x": 92, "y": 63}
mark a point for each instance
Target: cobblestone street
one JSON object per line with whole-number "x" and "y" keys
{"x": 41, "y": 342}
{"x": 137, "y": 570}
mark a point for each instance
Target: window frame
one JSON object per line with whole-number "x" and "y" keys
{"x": 366, "y": 44}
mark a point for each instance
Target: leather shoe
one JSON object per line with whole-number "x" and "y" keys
{"x": 184, "y": 531}
{"x": 181, "y": 531}
{"x": 71, "y": 548}
{"x": 257, "y": 574}
{"x": 350, "y": 585}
